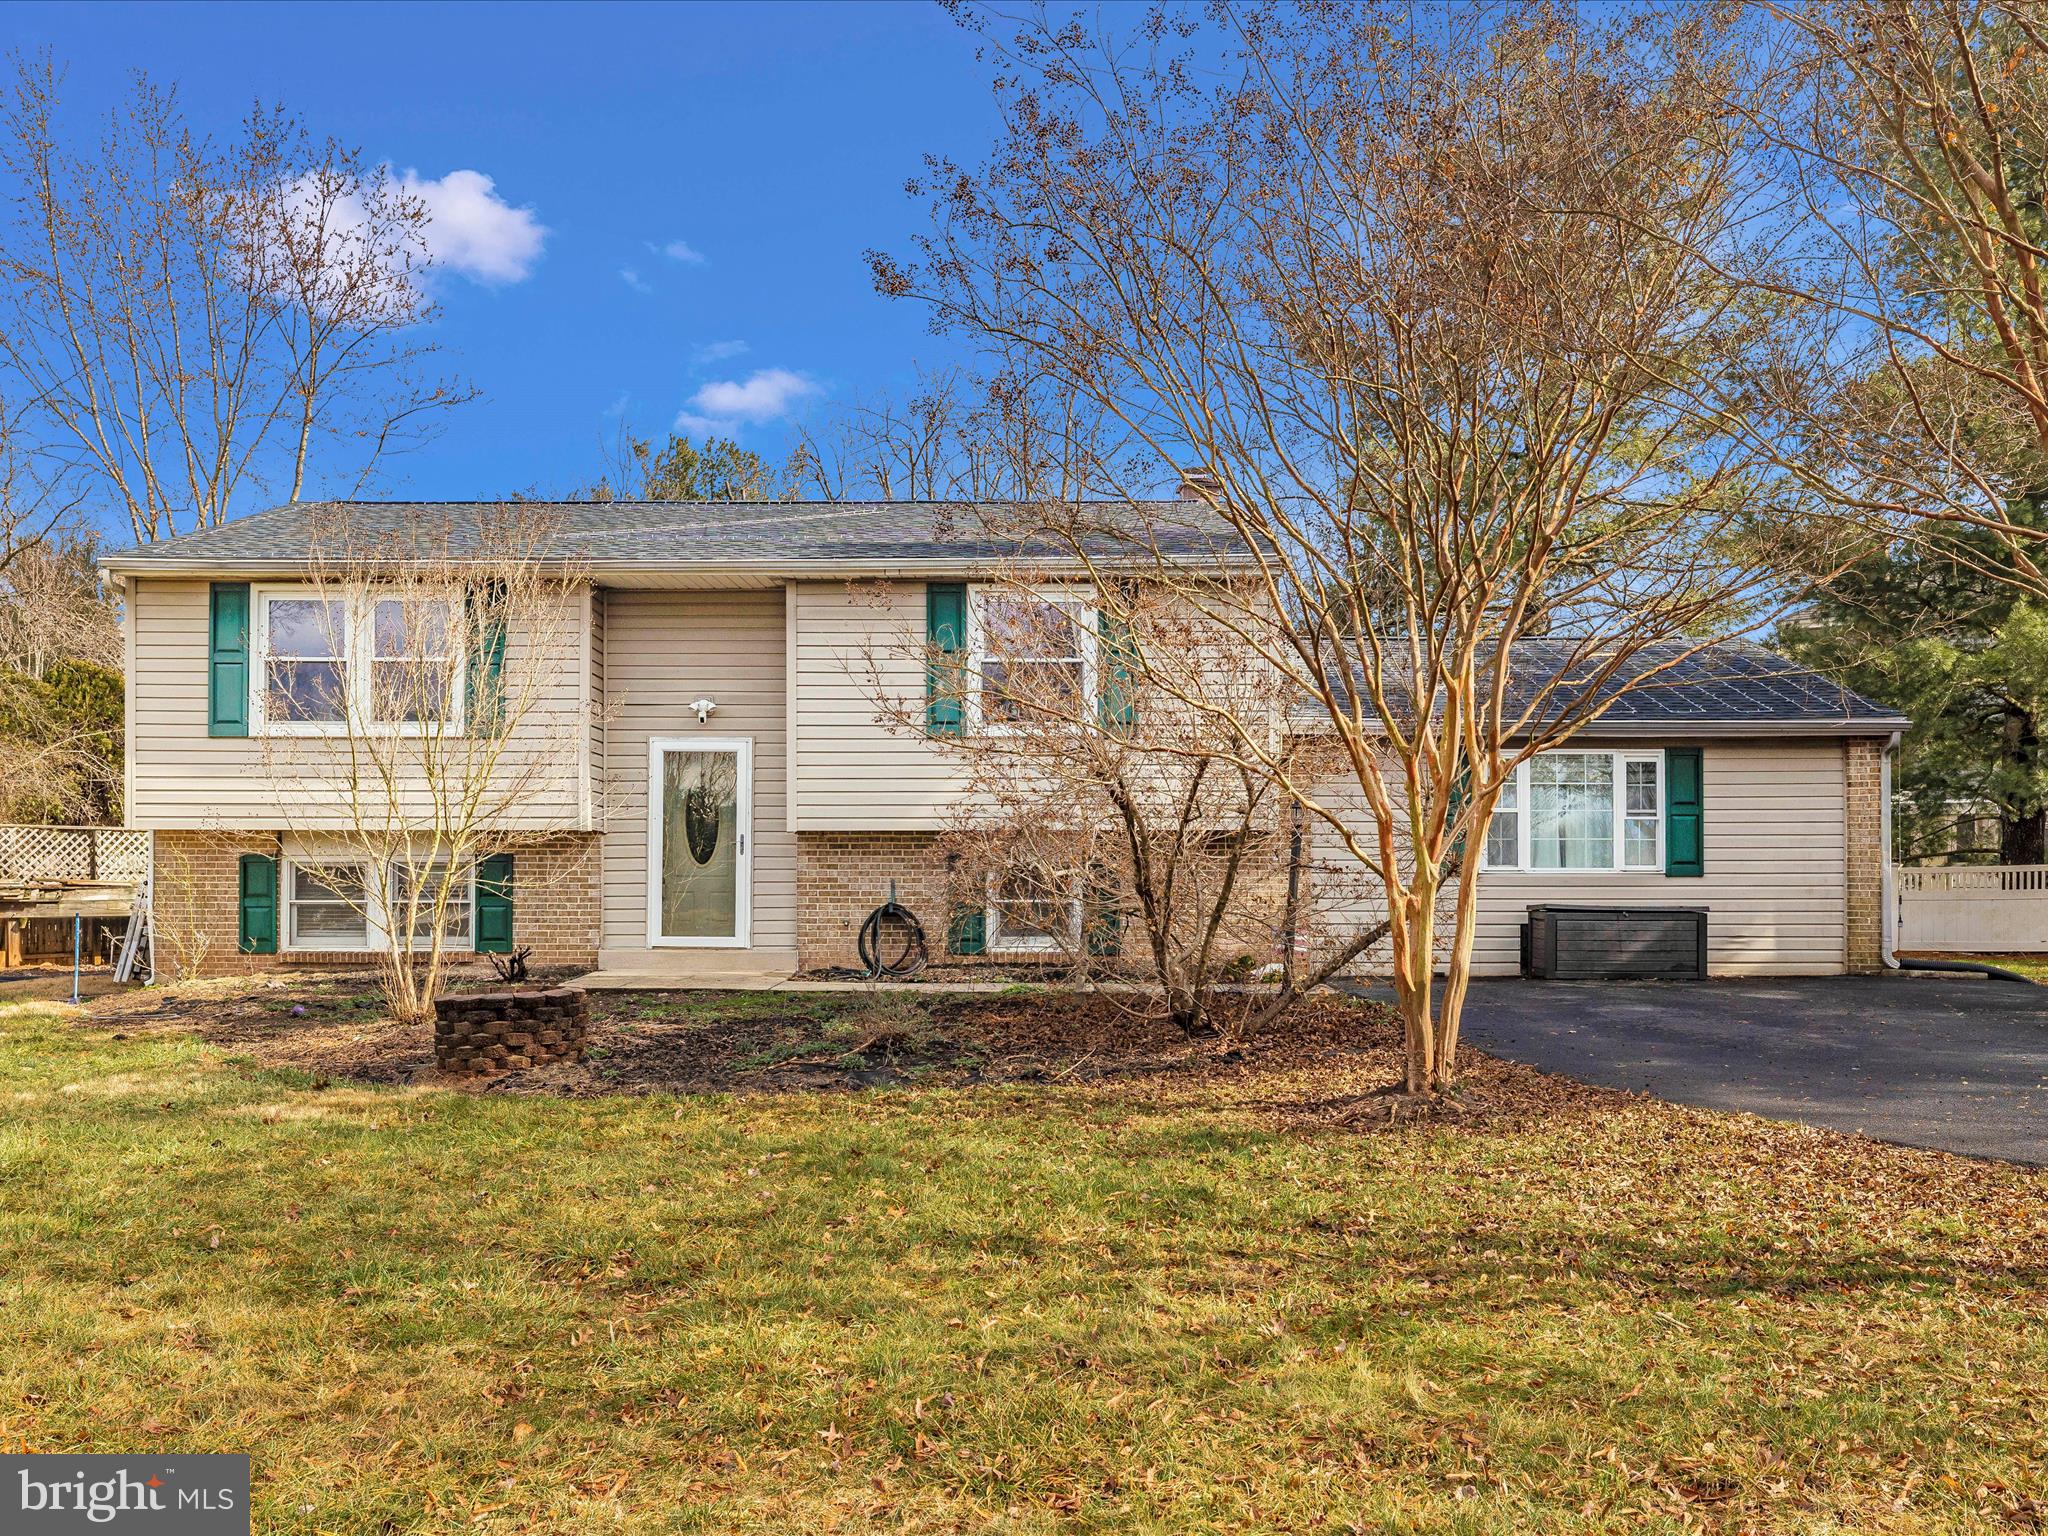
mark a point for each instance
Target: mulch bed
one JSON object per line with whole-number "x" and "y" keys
{"x": 1328, "y": 1064}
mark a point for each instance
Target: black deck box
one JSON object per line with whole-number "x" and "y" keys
{"x": 1574, "y": 943}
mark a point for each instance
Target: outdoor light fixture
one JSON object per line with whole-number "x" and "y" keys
{"x": 703, "y": 708}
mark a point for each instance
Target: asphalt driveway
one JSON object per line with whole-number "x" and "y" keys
{"x": 1957, "y": 1064}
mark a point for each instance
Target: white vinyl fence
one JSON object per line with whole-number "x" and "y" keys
{"x": 1978, "y": 909}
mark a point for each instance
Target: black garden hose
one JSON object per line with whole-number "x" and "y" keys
{"x": 1965, "y": 968}
{"x": 910, "y": 959}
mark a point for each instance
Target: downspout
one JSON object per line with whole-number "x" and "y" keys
{"x": 1888, "y": 922}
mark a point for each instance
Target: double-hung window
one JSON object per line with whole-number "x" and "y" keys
{"x": 1033, "y": 656}
{"x": 306, "y": 668}
{"x": 433, "y": 882}
{"x": 412, "y": 659}
{"x": 370, "y": 661}
{"x": 1581, "y": 810}
{"x": 328, "y": 907}
{"x": 1032, "y": 909}
{"x": 334, "y": 905}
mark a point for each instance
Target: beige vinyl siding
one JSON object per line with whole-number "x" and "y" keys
{"x": 662, "y": 650}
{"x": 598, "y": 708}
{"x": 859, "y": 644}
{"x": 181, "y": 778}
{"x": 1775, "y": 882}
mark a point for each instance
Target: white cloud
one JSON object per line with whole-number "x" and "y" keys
{"x": 474, "y": 231}
{"x": 633, "y": 280}
{"x": 720, "y": 351}
{"x": 724, "y": 405}
{"x": 683, "y": 251}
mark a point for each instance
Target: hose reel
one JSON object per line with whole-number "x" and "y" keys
{"x": 891, "y": 941}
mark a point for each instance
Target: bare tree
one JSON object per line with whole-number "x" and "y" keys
{"x": 421, "y": 713}
{"x": 1101, "y": 824}
{"x": 958, "y": 436}
{"x": 1443, "y": 306}
{"x": 1916, "y": 135}
{"x": 189, "y": 322}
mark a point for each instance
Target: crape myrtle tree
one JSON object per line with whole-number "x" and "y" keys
{"x": 1454, "y": 309}
{"x": 1916, "y": 146}
{"x": 1915, "y": 140}
{"x": 423, "y": 721}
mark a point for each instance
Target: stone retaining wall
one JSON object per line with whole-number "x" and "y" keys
{"x": 479, "y": 1032}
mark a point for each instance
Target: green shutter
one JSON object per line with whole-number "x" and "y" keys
{"x": 494, "y": 905}
{"x": 259, "y": 903}
{"x": 227, "y": 660}
{"x": 1685, "y": 818}
{"x": 1102, "y": 921}
{"x": 967, "y": 934}
{"x": 1114, "y": 642}
{"x": 484, "y": 676}
{"x": 945, "y": 628}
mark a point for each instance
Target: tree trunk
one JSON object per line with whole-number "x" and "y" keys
{"x": 1458, "y": 973}
{"x": 1414, "y": 958}
{"x": 2023, "y": 839}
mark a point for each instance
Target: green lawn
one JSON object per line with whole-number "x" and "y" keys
{"x": 1013, "y": 1309}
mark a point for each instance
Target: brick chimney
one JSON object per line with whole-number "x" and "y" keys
{"x": 1197, "y": 483}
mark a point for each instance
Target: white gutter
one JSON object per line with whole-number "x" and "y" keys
{"x": 1888, "y": 925}
{"x": 822, "y": 567}
{"x": 1303, "y": 723}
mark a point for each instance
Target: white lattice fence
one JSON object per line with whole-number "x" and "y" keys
{"x": 109, "y": 854}
{"x": 1979, "y": 909}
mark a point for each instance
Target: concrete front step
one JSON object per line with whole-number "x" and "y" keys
{"x": 654, "y": 970}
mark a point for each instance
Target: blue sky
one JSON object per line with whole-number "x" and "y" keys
{"x": 707, "y": 177}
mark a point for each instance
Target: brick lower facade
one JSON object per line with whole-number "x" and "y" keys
{"x": 1865, "y": 854}
{"x": 197, "y": 894}
{"x": 843, "y": 876}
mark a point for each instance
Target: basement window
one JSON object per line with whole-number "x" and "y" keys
{"x": 1032, "y": 910}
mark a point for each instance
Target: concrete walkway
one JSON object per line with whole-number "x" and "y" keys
{"x": 761, "y": 981}
{"x": 1954, "y": 1063}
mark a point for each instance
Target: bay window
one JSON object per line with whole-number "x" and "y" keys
{"x": 1580, "y": 810}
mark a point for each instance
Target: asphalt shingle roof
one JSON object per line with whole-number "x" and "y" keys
{"x": 1729, "y": 684}
{"x": 1734, "y": 681}
{"x": 685, "y": 533}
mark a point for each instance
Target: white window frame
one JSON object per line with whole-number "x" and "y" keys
{"x": 288, "y": 917}
{"x": 993, "y": 941}
{"x": 1080, "y": 598}
{"x": 358, "y": 658}
{"x": 378, "y": 919}
{"x": 1620, "y": 758}
{"x": 388, "y": 913}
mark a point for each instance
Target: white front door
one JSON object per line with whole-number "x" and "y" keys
{"x": 700, "y": 833}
